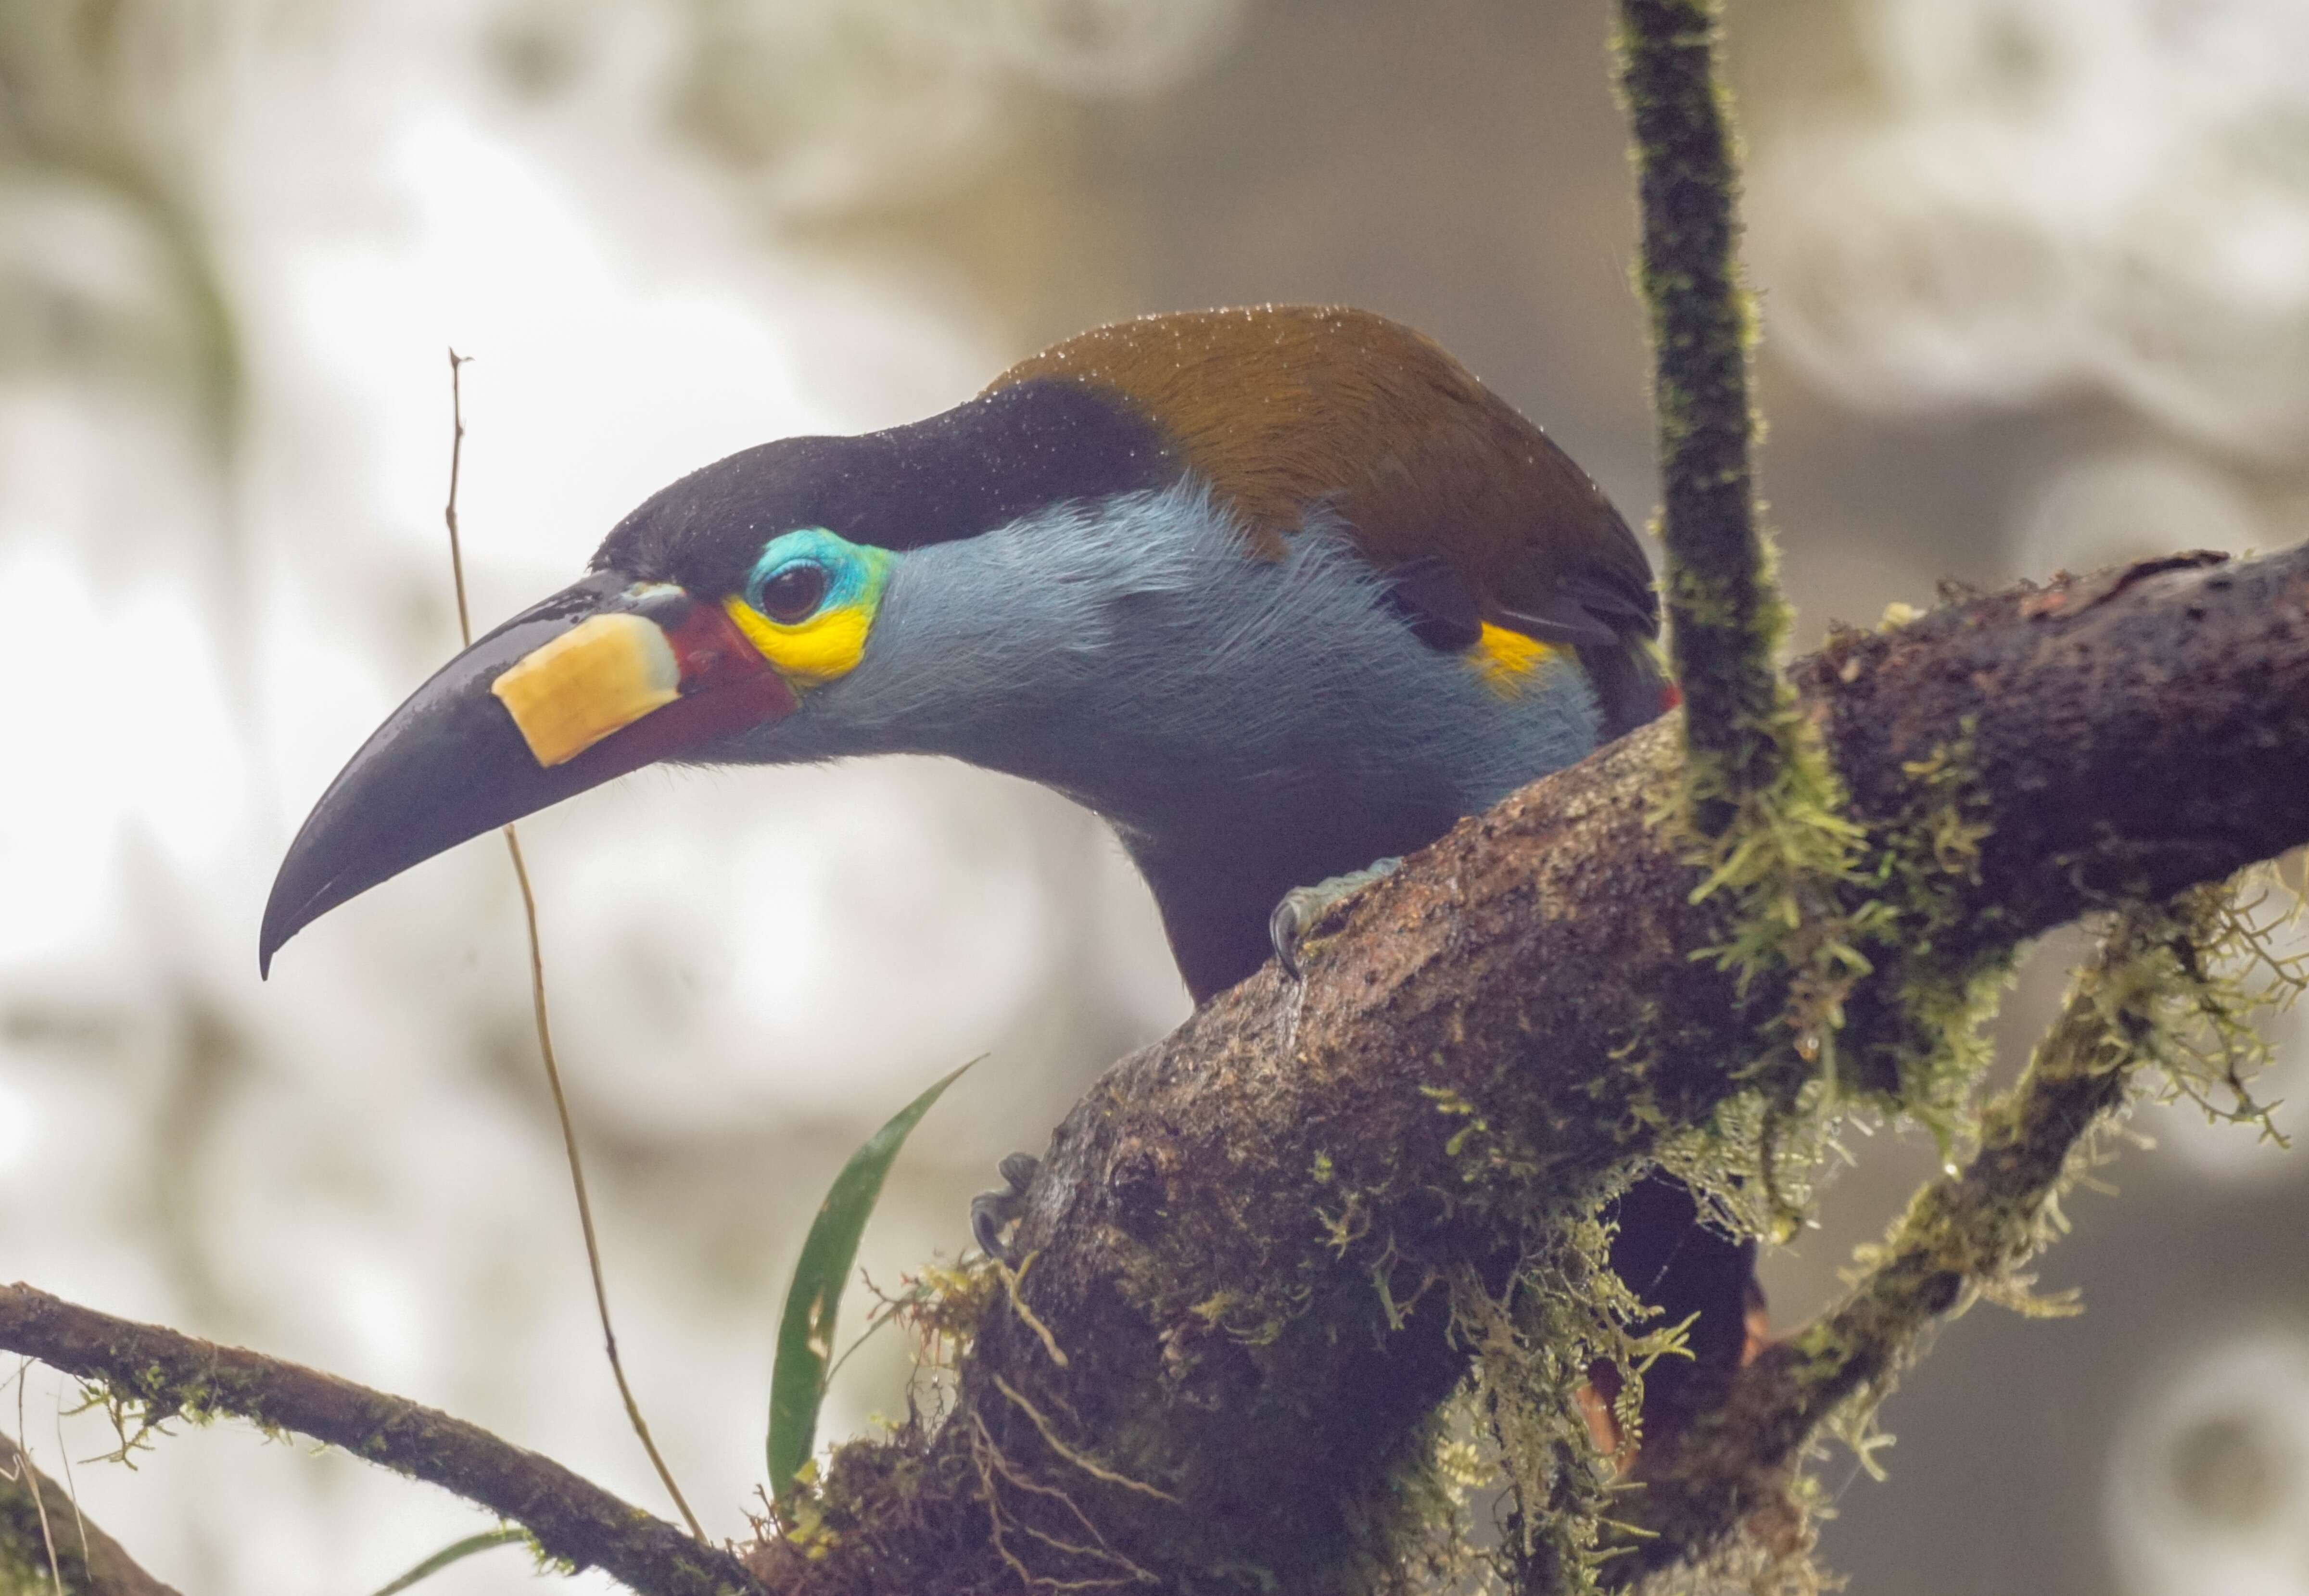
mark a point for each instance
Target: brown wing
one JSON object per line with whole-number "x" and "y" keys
{"x": 1288, "y": 408}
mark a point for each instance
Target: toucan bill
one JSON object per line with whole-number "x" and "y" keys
{"x": 606, "y": 675}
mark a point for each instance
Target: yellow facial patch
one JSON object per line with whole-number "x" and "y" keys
{"x": 1508, "y": 662}
{"x": 827, "y": 645}
{"x": 602, "y": 674}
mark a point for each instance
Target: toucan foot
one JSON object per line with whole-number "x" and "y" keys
{"x": 993, "y": 1212}
{"x": 1303, "y": 906}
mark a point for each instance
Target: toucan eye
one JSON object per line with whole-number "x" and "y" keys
{"x": 793, "y": 593}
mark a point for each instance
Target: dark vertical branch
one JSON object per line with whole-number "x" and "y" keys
{"x": 1723, "y": 606}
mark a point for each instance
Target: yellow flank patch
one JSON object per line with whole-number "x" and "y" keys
{"x": 1507, "y": 661}
{"x": 818, "y": 650}
{"x": 602, "y": 674}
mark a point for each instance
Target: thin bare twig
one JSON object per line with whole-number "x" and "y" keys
{"x": 537, "y": 994}
{"x": 80, "y": 1519}
{"x": 39, "y": 1497}
{"x": 449, "y": 510}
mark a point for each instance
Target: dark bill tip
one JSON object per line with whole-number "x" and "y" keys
{"x": 450, "y": 762}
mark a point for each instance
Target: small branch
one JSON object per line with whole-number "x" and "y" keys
{"x": 92, "y": 1563}
{"x": 1962, "y": 1235}
{"x": 577, "y": 1185}
{"x": 449, "y": 508}
{"x": 1726, "y": 616}
{"x": 537, "y": 997}
{"x": 169, "y": 1374}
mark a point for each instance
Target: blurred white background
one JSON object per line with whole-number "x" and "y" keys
{"x": 2035, "y": 285}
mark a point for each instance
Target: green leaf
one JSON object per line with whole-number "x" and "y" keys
{"x": 814, "y": 1296}
{"x": 455, "y": 1554}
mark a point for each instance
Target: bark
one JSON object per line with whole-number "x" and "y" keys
{"x": 33, "y": 1527}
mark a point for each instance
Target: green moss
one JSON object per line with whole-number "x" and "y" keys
{"x": 2224, "y": 974}
{"x": 141, "y": 1405}
{"x": 1535, "y": 1335}
{"x": 1821, "y": 912}
{"x": 1535, "y": 1347}
{"x": 2169, "y": 1008}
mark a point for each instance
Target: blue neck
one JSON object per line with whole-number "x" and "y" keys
{"x": 1247, "y": 726}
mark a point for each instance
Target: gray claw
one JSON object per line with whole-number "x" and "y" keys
{"x": 993, "y": 1212}
{"x": 1283, "y": 929}
{"x": 1302, "y": 906}
{"x": 989, "y": 1212}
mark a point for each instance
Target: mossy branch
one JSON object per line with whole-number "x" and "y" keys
{"x": 38, "y": 1519}
{"x": 1248, "y": 1239}
{"x": 1758, "y": 807}
{"x": 1244, "y": 1237}
{"x": 157, "y": 1373}
{"x": 1964, "y": 1236}
{"x": 1726, "y": 617}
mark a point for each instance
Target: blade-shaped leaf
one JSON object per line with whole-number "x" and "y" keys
{"x": 814, "y": 1296}
{"x": 456, "y": 1553}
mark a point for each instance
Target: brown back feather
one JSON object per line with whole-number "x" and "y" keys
{"x": 1288, "y": 408}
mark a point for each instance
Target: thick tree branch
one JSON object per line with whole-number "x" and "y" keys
{"x": 1232, "y": 1233}
{"x": 90, "y": 1561}
{"x": 1238, "y": 1238}
{"x": 169, "y": 1374}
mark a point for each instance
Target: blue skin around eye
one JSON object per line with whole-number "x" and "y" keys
{"x": 847, "y": 569}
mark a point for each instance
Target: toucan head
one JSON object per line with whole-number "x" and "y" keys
{"x": 825, "y": 596}
{"x": 714, "y": 612}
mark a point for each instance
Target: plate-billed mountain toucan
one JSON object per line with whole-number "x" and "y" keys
{"x": 1277, "y": 591}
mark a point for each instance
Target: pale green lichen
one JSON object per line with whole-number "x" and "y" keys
{"x": 1535, "y": 1350}
{"x": 2172, "y": 1007}
{"x": 2168, "y": 1005}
